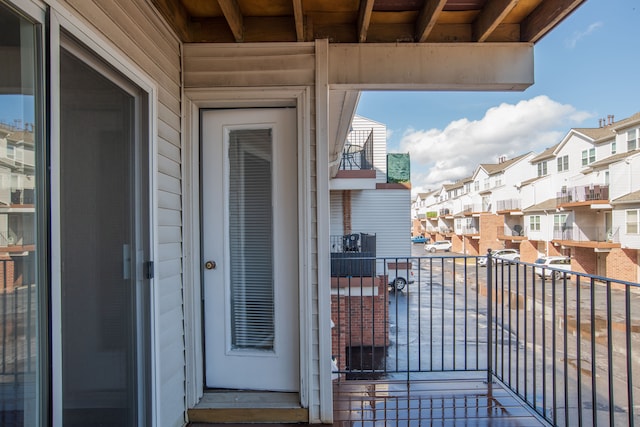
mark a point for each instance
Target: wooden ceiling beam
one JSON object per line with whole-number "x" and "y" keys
{"x": 298, "y": 15}
{"x": 491, "y": 16}
{"x": 427, "y": 18}
{"x": 233, "y": 15}
{"x": 546, "y": 16}
{"x": 176, "y": 15}
{"x": 364, "y": 18}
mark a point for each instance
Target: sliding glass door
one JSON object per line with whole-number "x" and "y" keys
{"x": 102, "y": 221}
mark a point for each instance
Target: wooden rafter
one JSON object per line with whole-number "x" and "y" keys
{"x": 177, "y": 16}
{"x": 491, "y": 16}
{"x": 546, "y": 16}
{"x": 427, "y": 18}
{"x": 232, "y": 14}
{"x": 364, "y": 18}
{"x": 299, "y": 19}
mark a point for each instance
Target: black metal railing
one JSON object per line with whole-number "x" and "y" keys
{"x": 567, "y": 344}
{"x": 358, "y": 151}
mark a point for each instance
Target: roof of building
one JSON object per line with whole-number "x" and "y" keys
{"x": 633, "y": 197}
{"x": 612, "y": 159}
{"x": 546, "y": 154}
{"x": 493, "y": 168}
{"x": 547, "y": 205}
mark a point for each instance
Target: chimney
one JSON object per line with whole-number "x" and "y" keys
{"x": 600, "y": 123}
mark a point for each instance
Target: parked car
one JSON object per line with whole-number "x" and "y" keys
{"x": 420, "y": 239}
{"x": 549, "y": 266}
{"x": 401, "y": 276}
{"x": 438, "y": 245}
{"x": 501, "y": 255}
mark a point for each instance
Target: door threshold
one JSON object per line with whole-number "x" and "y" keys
{"x": 239, "y": 406}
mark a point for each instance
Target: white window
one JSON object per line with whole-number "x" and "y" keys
{"x": 476, "y": 185}
{"x": 542, "y": 168}
{"x": 613, "y": 148}
{"x": 588, "y": 156}
{"x": 560, "y": 222}
{"x": 632, "y": 140}
{"x": 10, "y": 152}
{"x": 563, "y": 163}
{"x": 534, "y": 223}
{"x": 487, "y": 184}
{"x": 632, "y": 221}
{"x": 499, "y": 180}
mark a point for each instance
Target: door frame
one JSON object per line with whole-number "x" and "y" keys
{"x": 100, "y": 49}
{"x": 229, "y": 98}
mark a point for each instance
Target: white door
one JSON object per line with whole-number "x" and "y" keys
{"x": 250, "y": 249}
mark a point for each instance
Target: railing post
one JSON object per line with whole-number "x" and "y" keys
{"x": 489, "y": 316}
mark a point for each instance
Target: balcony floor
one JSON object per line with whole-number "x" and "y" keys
{"x": 424, "y": 402}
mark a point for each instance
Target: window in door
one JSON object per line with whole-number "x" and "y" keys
{"x": 23, "y": 291}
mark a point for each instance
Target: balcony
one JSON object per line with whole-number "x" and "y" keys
{"x": 466, "y": 345}
{"x": 510, "y": 205}
{"x": 576, "y": 196}
{"x": 587, "y": 237}
{"x": 357, "y": 154}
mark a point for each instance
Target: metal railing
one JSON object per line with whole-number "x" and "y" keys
{"x": 587, "y": 234}
{"x": 358, "y": 151}
{"x": 583, "y": 193}
{"x": 567, "y": 344}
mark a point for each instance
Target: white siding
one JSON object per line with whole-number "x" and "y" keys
{"x": 264, "y": 65}
{"x": 134, "y": 29}
{"x": 385, "y": 213}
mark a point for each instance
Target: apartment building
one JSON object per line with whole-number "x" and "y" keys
{"x": 365, "y": 196}
{"x": 580, "y": 198}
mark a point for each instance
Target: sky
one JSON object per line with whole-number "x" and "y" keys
{"x": 586, "y": 68}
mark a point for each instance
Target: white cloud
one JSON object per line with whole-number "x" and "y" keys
{"x": 445, "y": 155}
{"x": 579, "y": 35}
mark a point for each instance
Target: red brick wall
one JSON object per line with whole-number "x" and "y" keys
{"x": 528, "y": 250}
{"x": 489, "y": 224}
{"x": 359, "y": 321}
{"x": 456, "y": 242}
{"x": 7, "y": 275}
{"x": 472, "y": 246}
{"x": 584, "y": 260}
{"x": 622, "y": 264}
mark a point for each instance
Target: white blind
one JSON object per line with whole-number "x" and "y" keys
{"x": 251, "y": 239}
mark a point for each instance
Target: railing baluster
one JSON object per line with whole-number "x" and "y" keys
{"x": 612, "y": 402}
{"x": 489, "y": 316}
{"x": 630, "y": 405}
{"x": 594, "y": 399}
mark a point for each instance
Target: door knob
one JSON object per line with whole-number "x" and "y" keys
{"x": 210, "y": 265}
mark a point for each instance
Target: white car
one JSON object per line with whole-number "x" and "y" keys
{"x": 556, "y": 266}
{"x": 510, "y": 255}
{"x": 438, "y": 245}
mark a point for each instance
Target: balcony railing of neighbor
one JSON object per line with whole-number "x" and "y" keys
{"x": 358, "y": 151}
{"x": 566, "y": 344}
{"x": 583, "y": 194}
{"x": 587, "y": 234}
{"x": 508, "y": 205}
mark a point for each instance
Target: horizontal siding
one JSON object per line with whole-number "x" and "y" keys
{"x": 387, "y": 213}
{"x": 335, "y": 207}
{"x": 231, "y": 65}
{"x": 133, "y": 28}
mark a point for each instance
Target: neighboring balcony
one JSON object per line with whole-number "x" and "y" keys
{"x": 584, "y": 194}
{"x": 510, "y": 205}
{"x": 357, "y": 156}
{"x": 587, "y": 237}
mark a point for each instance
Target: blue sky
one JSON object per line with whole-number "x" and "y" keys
{"x": 587, "y": 68}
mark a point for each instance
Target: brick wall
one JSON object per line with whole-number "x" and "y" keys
{"x": 489, "y": 224}
{"x": 472, "y": 246}
{"x": 359, "y": 321}
{"x": 622, "y": 264}
{"x": 528, "y": 250}
{"x": 584, "y": 260}
{"x": 456, "y": 242}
